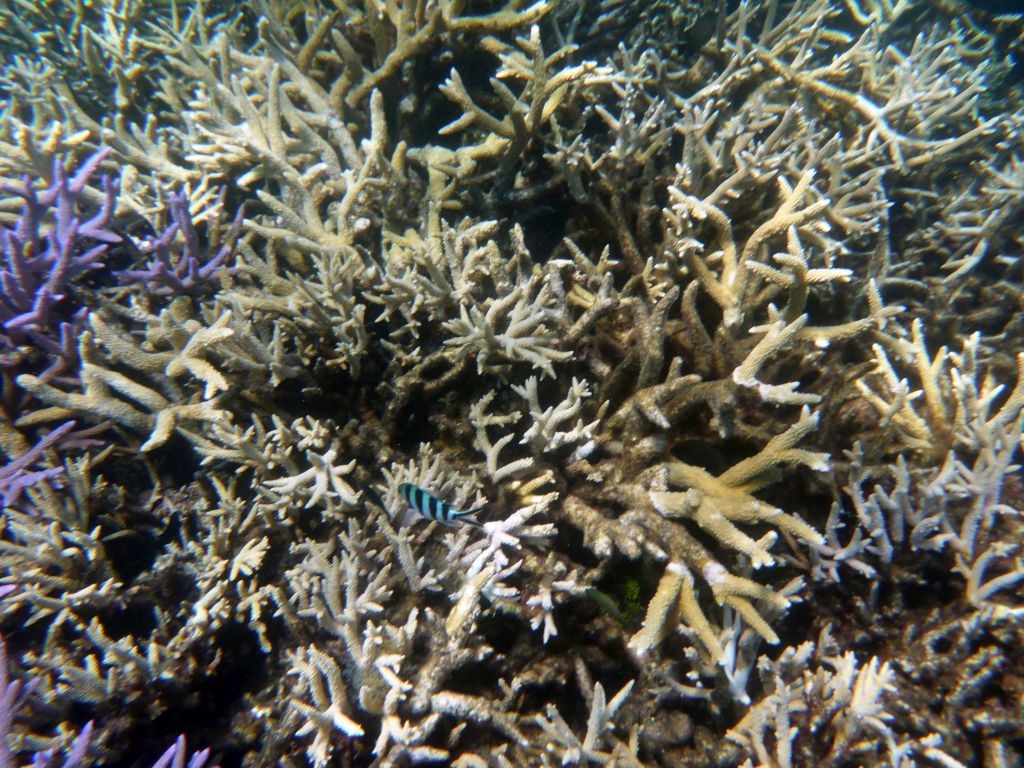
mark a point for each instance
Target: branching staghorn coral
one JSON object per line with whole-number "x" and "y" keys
{"x": 65, "y": 567}
{"x": 387, "y": 676}
{"x": 378, "y": 654}
{"x": 16, "y": 475}
{"x": 13, "y": 693}
{"x": 294, "y": 466}
{"x": 720, "y": 499}
{"x": 510, "y": 328}
{"x": 545, "y": 91}
{"x": 971, "y": 428}
{"x": 574, "y": 750}
{"x": 973, "y": 223}
{"x": 820, "y": 715}
{"x": 715, "y": 504}
{"x": 980, "y": 650}
{"x": 493, "y": 308}
{"x": 612, "y": 299}
{"x": 296, "y": 311}
{"x": 958, "y": 405}
{"x": 42, "y": 259}
{"x": 53, "y": 553}
{"x": 119, "y": 41}
{"x": 224, "y": 560}
{"x": 190, "y": 272}
{"x": 99, "y": 43}
{"x": 922, "y": 94}
{"x": 109, "y": 394}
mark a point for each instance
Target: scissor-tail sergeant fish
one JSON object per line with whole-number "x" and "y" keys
{"x": 433, "y": 508}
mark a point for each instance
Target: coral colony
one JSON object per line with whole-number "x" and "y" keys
{"x": 487, "y": 383}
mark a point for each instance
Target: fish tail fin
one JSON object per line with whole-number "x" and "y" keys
{"x": 469, "y": 517}
{"x": 374, "y": 496}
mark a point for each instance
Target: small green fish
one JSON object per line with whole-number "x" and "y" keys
{"x": 607, "y": 604}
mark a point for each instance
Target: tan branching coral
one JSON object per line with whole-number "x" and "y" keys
{"x": 155, "y": 408}
{"x": 321, "y": 676}
{"x": 840, "y": 695}
{"x": 956, "y": 408}
{"x": 717, "y": 503}
{"x": 546, "y": 88}
{"x": 56, "y": 564}
{"x": 729, "y": 287}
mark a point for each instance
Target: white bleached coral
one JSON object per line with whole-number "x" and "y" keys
{"x": 321, "y": 680}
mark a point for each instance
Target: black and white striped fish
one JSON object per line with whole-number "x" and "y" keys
{"x": 433, "y": 508}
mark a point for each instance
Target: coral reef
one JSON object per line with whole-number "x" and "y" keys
{"x": 709, "y": 312}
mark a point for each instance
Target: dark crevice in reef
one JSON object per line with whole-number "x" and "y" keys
{"x": 223, "y": 679}
{"x": 569, "y": 540}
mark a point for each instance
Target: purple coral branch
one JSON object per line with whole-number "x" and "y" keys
{"x": 10, "y": 698}
{"x": 36, "y": 267}
{"x": 13, "y": 693}
{"x": 15, "y": 475}
{"x": 185, "y": 272}
{"x": 176, "y": 754}
{"x": 76, "y": 755}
